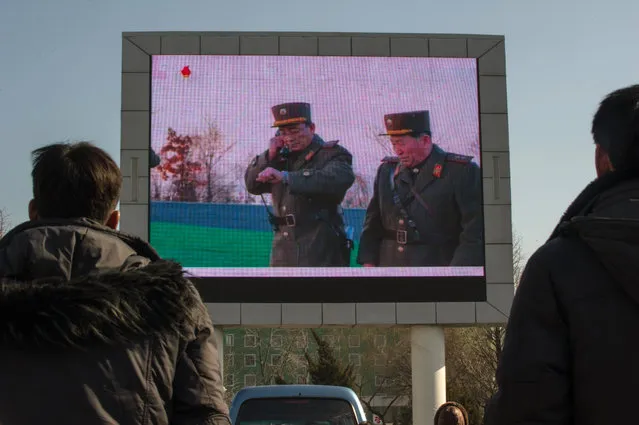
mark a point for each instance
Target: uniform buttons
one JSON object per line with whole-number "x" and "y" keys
{"x": 400, "y": 248}
{"x": 401, "y": 222}
{"x": 285, "y": 234}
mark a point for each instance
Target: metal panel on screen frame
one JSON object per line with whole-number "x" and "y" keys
{"x": 137, "y": 49}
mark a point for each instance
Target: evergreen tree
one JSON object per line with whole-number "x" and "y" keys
{"x": 326, "y": 369}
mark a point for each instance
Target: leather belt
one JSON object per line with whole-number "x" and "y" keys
{"x": 402, "y": 237}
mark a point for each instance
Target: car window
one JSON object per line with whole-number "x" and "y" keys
{"x": 296, "y": 411}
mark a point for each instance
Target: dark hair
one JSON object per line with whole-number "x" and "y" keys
{"x": 615, "y": 127}
{"x": 73, "y": 180}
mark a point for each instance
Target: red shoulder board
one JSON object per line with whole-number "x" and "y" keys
{"x": 331, "y": 144}
{"x": 309, "y": 156}
{"x": 437, "y": 170}
{"x": 454, "y": 157}
{"x": 391, "y": 159}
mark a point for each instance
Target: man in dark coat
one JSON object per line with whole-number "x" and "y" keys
{"x": 307, "y": 179}
{"x": 426, "y": 207}
{"x": 94, "y": 327}
{"x": 571, "y": 348}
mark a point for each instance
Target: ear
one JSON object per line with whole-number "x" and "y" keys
{"x": 311, "y": 127}
{"x": 33, "y": 212}
{"x": 113, "y": 220}
{"x": 603, "y": 165}
{"x": 426, "y": 139}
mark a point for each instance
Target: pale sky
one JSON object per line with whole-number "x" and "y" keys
{"x": 349, "y": 97}
{"x": 60, "y": 64}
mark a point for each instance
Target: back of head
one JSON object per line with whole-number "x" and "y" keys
{"x": 73, "y": 180}
{"x": 615, "y": 127}
{"x": 451, "y": 413}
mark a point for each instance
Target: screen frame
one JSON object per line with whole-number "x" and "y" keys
{"x": 489, "y": 51}
{"x": 340, "y": 288}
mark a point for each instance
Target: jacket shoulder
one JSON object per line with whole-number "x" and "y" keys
{"x": 559, "y": 258}
{"x": 458, "y": 158}
{"x": 334, "y": 147}
{"x": 387, "y": 163}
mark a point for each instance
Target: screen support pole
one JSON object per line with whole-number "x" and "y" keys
{"x": 428, "y": 363}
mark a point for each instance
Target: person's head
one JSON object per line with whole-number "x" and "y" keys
{"x": 410, "y": 136}
{"x": 75, "y": 180}
{"x": 615, "y": 130}
{"x": 294, "y": 123}
{"x": 451, "y": 413}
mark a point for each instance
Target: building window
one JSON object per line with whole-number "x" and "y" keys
{"x": 380, "y": 360}
{"x": 380, "y": 341}
{"x": 250, "y": 380}
{"x": 353, "y": 341}
{"x": 358, "y": 380}
{"x": 380, "y": 381}
{"x": 330, "y": 339}
{"x": 276, "y": 341}
{"x": 298, "y": 360}
{"x": 355, "y": 359}
{"x": 229, "y": 360}
{"x": 250, "y": 341}
{"x": 301, "y": 379}
{"x": 301, "y": 342}
{"x": 229, "y": 340}
{"x": 249, "y": 360}
{"x": 276, "y": 359}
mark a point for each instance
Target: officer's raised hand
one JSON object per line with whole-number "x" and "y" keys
{"x": 270, "y": 175}
{"x": 276, "y": 144}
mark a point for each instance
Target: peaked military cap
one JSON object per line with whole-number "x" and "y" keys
{"x": 414, "y": 122}
{"x": 291, "y": 113}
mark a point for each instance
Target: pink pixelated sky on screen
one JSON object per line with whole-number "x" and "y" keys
{"x": 348, "y": 95}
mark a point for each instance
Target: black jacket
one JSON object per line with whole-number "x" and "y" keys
{"x": 571, "y": 351}
{"x": 96, "y": 329}
{"x": 442, "y": 197}
{"x": 318, "y": 179}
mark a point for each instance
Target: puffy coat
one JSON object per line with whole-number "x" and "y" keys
{"x": 96, "y": 329}
{"x": 571, "y": 348}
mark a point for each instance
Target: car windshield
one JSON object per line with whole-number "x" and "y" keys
{"x": 296, "y": 411}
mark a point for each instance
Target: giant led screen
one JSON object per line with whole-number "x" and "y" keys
{"x": 346, "y": 167}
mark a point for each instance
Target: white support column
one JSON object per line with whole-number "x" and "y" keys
{"x": 428, "y": 361}
{"x": 219, "y": 343}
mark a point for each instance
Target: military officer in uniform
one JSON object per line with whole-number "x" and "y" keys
{"x": 308, "y": 179}
{"x": 426, "y": 207}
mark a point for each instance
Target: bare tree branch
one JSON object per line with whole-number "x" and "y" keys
{"x": 5, "y": 224}
{"x": 472, "y": 355}
{"x": 519, "y": 259}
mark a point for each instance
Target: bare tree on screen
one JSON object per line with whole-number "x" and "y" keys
{"x": 358, "y": 195}
{"x": 382, "y": 142}
{"x": 210, "y": 148}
